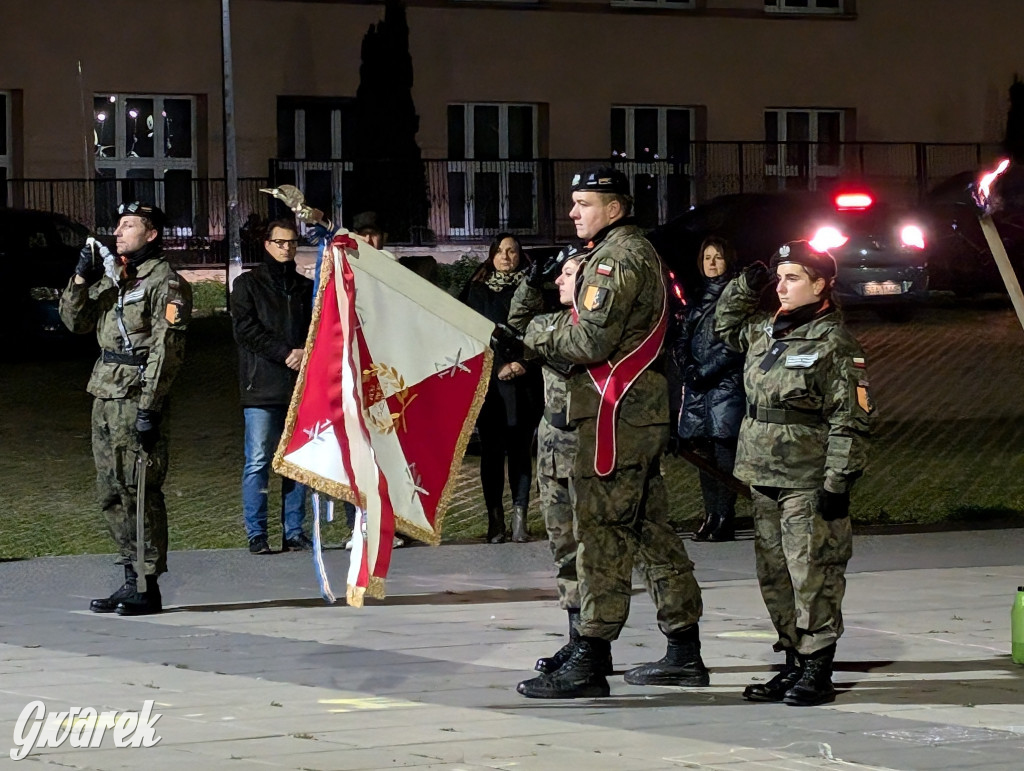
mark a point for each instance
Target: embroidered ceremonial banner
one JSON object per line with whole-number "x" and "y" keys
{"x": 395, "y": 373}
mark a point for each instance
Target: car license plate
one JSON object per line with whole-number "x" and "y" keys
{"x": 882, "y": 287}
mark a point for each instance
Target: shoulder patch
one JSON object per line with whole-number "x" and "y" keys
{"x": 864, "y": 397}
{"x": 858, "y": 362}
{"x": 594, "y": 297}
{"x": 604, "y": 268}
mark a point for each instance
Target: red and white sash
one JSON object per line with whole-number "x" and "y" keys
{"x": 614, "y": 380}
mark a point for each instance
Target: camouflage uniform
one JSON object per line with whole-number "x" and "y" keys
{"x": 809, "y": 434}
{"x": 157, "y": 305}
{"x": 556, "y": 451}
{"x": 623, "y": 517}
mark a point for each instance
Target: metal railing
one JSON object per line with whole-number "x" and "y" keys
{"x": 438, "y": 201}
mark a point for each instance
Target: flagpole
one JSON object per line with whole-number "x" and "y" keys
{"x": 233, "y": 264}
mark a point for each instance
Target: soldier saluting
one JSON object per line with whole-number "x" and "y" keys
{"x": 802, "y": 445}
{"x": 139, "y": 308}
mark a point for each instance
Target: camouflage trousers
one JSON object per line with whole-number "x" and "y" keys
{"x": 115, "y": 448}
{"x": 556, "y": 449}
{"x": 621, "y": 519}
{"x": 801, "y": 566}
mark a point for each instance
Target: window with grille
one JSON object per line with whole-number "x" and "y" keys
{"x": 653, "y": 145}
{"x": 802, "y": 145}
{"x": 145, "y": 148}
{"x": 492, "y": 171}
{"x": 804, "y": 6}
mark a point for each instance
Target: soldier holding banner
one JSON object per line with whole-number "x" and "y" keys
{"x": 615, "y": 334}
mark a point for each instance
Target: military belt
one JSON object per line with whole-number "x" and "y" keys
{"x": 782, "y": 416}
{"x": 131, "y": 359}
{"x": 556, "y": 419}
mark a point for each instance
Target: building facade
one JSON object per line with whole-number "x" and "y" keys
{"x": 691, "y": 97}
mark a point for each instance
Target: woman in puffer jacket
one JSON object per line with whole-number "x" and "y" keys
{"x": 713, "y": 398}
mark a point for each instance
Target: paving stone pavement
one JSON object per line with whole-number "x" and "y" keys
{"x": 249, "y": 668}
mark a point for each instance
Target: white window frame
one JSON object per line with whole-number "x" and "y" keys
{"x": 502, "y": 166}
{"x": 121, "y": 163}
{"x": 662, "y": 166}
{"x": 300, "y": 133}
{"x": 682, "y": 5}
{"x": 7, "y": 159}
{"x": 815, "y": 170}
{"x": 158, "y": 163}
{"x": 783, "y": 6}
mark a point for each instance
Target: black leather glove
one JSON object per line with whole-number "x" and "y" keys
{"x": 541, "y": 272}
{"x": 90, "y": 261}
{"x": 834, "y": 505}
{"x": 147, "y": 426}
{"x": 507, "y": 342}
{"x": 758, "y": 276}
{"x": 674, "y": 444}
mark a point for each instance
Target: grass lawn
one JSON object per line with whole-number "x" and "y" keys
{"x": 948, "y": 438}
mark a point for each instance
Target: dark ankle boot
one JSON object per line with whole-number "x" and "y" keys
{"x": 775, "y": 689}
{"x": 109, "y": 604}
{"x": 519, "y": 533}
{"x": 723, "y": 529}
{"x": 551, "y": 664}
{"x": 142, "y": 603}
{"x": 579, "y": 678}
{"x": 496, "y": 525}
{"x": 702, "y": 532}
{"x": 681, "y": 664}
{"x": 815, "y": 684}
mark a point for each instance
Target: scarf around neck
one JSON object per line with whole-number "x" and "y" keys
{"x": 498, "y": 280}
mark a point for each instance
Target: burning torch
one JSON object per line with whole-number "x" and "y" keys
{"x": 983, "y": 200}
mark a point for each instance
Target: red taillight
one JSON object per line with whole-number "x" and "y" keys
{"x": 827, "y": 238}
{"x": 848, "y": 201}
{"x": 912, "y": 236}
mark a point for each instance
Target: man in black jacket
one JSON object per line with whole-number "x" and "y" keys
{"x": 271, "y": 308}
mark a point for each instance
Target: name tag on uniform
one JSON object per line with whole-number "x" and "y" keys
{"x": 801, "y": 361}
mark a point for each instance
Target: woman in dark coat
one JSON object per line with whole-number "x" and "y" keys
{"x": 713, "y": 400}
{"x": 514, "y": 399}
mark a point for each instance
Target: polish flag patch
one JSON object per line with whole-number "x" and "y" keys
{"x": 604, "y": 269}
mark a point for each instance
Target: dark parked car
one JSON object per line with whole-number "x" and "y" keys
{"x": 959, "y": 256}
{"x": 39, "y": 251}
{"x": 880, "y": 252}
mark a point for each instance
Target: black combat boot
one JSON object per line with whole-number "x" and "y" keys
{"x": 142, "y": 603}
{"x": 775, "y": 689}
{"x": 579, "y": 678}
{"x": 519, "y": 533}
{"x": 815, "y": 684}
{"x": 109, "y": 604}
{"x": 496, "y": 525}
{"x": 554, "y": 663}
{"x": 681, "y": 664}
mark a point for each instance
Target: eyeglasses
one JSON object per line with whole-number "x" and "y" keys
{"x": 284, "y": 242}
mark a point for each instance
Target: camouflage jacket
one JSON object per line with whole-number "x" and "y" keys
{"x": 528, "y": 304}
{"x": 819, "y": 378}
{"x": 620, "y": 301}
{"x": 156, "y": 308}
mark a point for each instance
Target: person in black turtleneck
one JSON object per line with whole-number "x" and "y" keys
{"x": 271, "y": 308}
{"x": 713, "y": 401}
